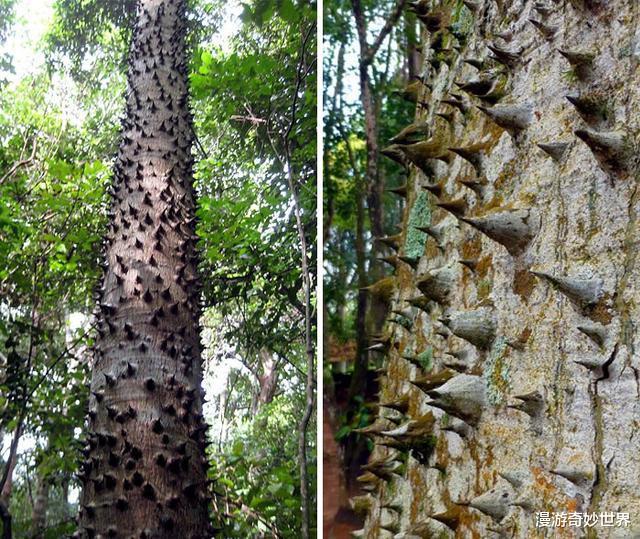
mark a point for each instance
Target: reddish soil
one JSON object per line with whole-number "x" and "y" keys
{"x": 338, "y": 519}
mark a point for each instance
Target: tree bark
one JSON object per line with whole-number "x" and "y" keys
{"x": 5, "y": 517}
{"x": 145, "y": 468}
{"x": 39, "y": 515}
{"x": 267, "y": 377}
{"x": 374, "y": 188}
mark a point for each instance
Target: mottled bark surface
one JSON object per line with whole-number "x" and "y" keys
{"x": 145, "y": 468}
{"x": 40, "y": 503}
{"x": 524, "y": 357}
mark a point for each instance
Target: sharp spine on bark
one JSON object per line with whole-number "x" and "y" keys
{"x": 471, "y": 264}
{"x": 477, "y": 186}
{"x": 412, "y": 133}
{"x": 421, "y": 153}
{"x": 596, "y": 332}
{"x": 460, "y": 427}
{"x": 515, "y": 478}
{"x": 477, "y": 327}
{"x": 506, "y": 35}
{"x": 591, "y": 107}
{"x": 513, "y": 118}
{"x": 511, "y": 228}
{"x": 495, "y": 502}
{"x": 580, "y": 478}
{"x": 547, "y": 31}
{"x": 454, "y": 365}
{"x": 463, "y": 397}
{"x": 436, "y": 285}
{"x": 457, "y": 207}
{"x": 391, "y": 260}
{"x": 394, "y": 153}
{"x": 581, "y": 61}
{"x": 584, "y": 292}
{"x": 448, "y": 117}
{"x": 401, "y": 404}
{"x": 421, "y": 303}
{"x": 531, "y": 403}
{"x": 401, "y": 190}
{"x": 411, "y": 261}
{"x": 474, "y": 5}
{"x": 450, "y": 518}
{"x": 414, "y": 428}
{"x": 543, "y": 8}
{"x": 556, "y": 150}
{"x": 610, "y": 147}
{"x": 475, "y": 62}
{"x": 510, "y": 58}
{"x": 361, "y": 505}
{"x": 457, "y": 103}
{"x": 473, "y": 154}
{"x": 391, "y": 241}
{"x": 432, "y": 381}
{"x": 437, "y": 189}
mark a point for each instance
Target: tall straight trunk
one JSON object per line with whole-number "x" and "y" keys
{"x": 145, "y": 468}
{"x": 374, "y": 182}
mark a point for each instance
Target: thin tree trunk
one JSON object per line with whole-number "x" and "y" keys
{"x": 5, "y": 517}
{"x": 39, "y": 515}
{"x": 374, "y": 185}
{"x": 145, "y": 469}
{"x": 267, "y": 381}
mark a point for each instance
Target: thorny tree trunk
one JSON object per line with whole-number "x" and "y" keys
{"x": 522, "y": 372}
{"x": 145, "y": 468}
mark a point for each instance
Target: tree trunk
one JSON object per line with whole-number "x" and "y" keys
{"x": 5, "y": 517}
{"x": 515, "y": 384}
{"x": 267, "y": 375}
{"x": 39, "y": 515}
{"x": 145, "y": 468}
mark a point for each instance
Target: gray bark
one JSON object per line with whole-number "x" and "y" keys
{"x": 145, "y": 468}
{"x": 538, "y": 412}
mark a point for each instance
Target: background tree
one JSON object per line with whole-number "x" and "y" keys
{"x": 366, "y": 65}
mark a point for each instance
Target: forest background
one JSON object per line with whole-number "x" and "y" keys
{"x": 371, "y": 59}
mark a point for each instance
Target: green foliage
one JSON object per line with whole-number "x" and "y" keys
{"x": 256, "y": 478}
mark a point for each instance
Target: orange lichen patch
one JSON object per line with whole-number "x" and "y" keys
{"x": 420, "y": 492}
{"x": 341, "y": 351}
{"x": 471, "y": 249}
{"x": 487, "y": 477}
{"x": 484, "y": 264}
{"x": 548, "y": 489}
{"x": 494, "y": 132}
{"x": 496, "y": 202}
{"x": 506, "y": 175}
{"x": 404, "y": 277}
{"x": 483, "y": 289}
{"x": 523, "y": 283}
{"x": 601, "y": 312}
{"x": 432, "y": 250}
{"x": 525, "y": 335}
{"x": 572, "y": 505}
